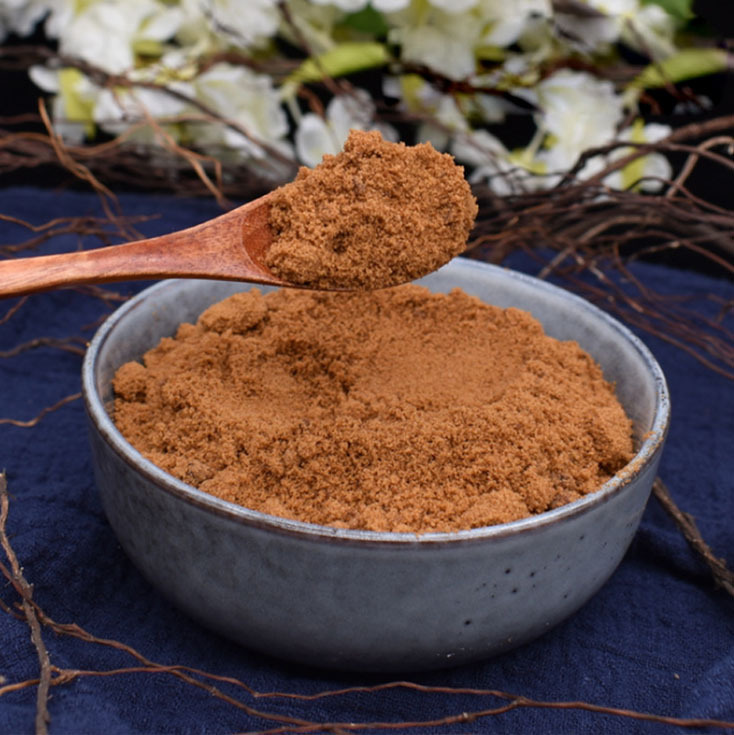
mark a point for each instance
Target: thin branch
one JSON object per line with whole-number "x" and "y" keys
{"x": 48, "y": 409}
{"x": 25, "y": 591}
{"x": 75, "y": 345}
{"x": 13, "y": 309}
{"x": 686, "y": 523}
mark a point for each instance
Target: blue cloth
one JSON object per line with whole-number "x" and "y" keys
{"x": 657, "y": 638}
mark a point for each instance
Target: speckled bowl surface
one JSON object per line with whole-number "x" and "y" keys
{"x": 366, "y": 600}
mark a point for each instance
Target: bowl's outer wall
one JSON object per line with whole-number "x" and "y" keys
{"x": 369, "y": 604}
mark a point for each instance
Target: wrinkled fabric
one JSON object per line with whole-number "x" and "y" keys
{"x": 657, "y": 638}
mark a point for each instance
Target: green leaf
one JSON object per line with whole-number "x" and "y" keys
{"x": 410, "y": 86}
{"x": 147, "y": 47}
{"x": 680, "y": 9}
{"x": 635, "y": 170}
{"x": 79, "y": 6}
{"x": 490, "y": 53}
{"x": 344, "y": 58}
{"x": 76, "y": 108}
{"x": 686, "y": 64}
{"x": 367, "y": 20}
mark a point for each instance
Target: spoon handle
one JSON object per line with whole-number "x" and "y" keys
{"x": 218, "y": 249}
{"x": 117, "y": 263}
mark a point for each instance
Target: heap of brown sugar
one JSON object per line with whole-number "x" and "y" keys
{"x": 377, "y": 214}
{"x": 394, "y": 410}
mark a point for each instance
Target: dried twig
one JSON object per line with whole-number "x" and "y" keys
{"x": 48, "y": 409}
{"x": 84, "y": 226}
{"x": 25, "y": 591}
{"x": 75, "y": 345}
{"x": 686, "y": 524}
{"x": 13, "y": 309}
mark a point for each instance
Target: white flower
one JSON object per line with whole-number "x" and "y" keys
{"x": 446, "y": 119}
{"x": 479, "y": 148}
{"x": 348, "y": 6}
{"x": 234, "y": 93}
{"x": 491, "y": 43}
{"x": 651, "y": 30}
{"x": 507, "y": 21}
{"x": 492, "y": 109}
{"x": 444, "y": 43}
{"x": 614, "y": 7}
{"x": 311, "y": 25}
{"x": 316, "y": 136}
{"x": 522, "y": 171}
{"x": 21, "y": 16}
{"x": 116, "y": 111}
{"x": 214, "y": 22}
{"x": 493, "y": 163}
{"x": 454, "y": 6}
{"x": 249, "y": 100}
{"x": 445, "y": 36}
{"x": 442, "y": 116}
{"x": 72, "y": 106}
{"x": 645, "y": 27}
{"x": 647, "y": 173}
{"x": 392, "y": 6}
{"x": 389, "y": 6}
{"x": 579, "y": 112}
{"x": 106, "y": 32}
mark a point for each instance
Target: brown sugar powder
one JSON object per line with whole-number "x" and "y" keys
{"x": 392, "y": 410}
{"x": 377, "y": 214}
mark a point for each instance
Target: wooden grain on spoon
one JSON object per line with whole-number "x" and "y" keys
{"x": 229, "y": 247}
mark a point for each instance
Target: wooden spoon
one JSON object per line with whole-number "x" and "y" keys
{"x": 229, "y": 247}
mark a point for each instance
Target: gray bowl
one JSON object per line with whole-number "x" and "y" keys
{"x": 366, "y": 600}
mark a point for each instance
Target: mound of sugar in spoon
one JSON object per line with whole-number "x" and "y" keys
{"x": 375, "y": 215}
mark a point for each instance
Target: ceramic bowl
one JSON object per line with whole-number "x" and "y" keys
{"x": 365, "y": 600}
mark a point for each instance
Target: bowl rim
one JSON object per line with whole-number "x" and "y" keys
{"x": 652, "y": 441}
